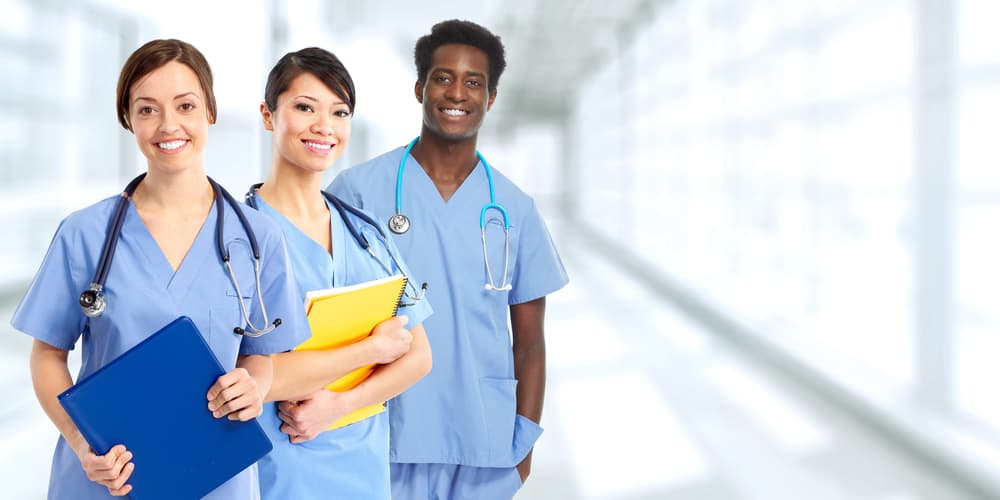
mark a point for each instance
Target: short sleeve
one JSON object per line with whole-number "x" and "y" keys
{"x": 50, "y": 310}
{"x": 539, "y": 270}
{"x": 281, "y": 298}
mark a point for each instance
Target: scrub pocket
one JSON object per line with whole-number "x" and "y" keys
{"x": 499, "y": 396}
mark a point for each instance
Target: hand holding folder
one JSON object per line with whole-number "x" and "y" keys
{"x": 345, "y": 315}
{"x": 171, "y": 370}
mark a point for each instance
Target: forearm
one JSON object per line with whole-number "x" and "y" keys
{"x": 260, "y": 368}
{"x": 529, "y": 369}
{"x": 528, "y": 327}
{"x": 300, "y": 373}
{"x": 390, "y": 380}
{"x": 50, "y": 376}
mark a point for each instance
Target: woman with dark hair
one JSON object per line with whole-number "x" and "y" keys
{"x": 169, "y": 223}
{"x": 308, "y": 104}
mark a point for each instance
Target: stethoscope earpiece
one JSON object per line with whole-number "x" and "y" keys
{"x": 240, "y": 331}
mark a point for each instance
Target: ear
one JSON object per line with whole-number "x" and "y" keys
{"x": 418, "y": 91}
{"x": 266, "y": 116}
{"x": 493, "y": 97}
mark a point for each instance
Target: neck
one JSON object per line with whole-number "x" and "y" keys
{"x": 443, "y": 159}
{"x": 176, "y": 192}
{"x": 293, "y": 191}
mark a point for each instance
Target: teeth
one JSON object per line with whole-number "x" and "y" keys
{"x": 319, "y": 146}
{"x": 454, "y": 112}
{"x": 172, "y": 144}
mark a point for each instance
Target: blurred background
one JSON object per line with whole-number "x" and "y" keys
{"x": 776, "y": 215}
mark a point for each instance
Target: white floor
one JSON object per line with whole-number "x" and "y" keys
{"x": 641, "y": 404}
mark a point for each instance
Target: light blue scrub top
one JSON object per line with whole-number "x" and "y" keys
{"x": 143, "y": 294}
{"x": 351, "y": 462}
{"x": 464, "y": 411}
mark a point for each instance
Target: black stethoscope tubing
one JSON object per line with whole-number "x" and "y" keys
{"x": 342, "y": 210}
{"x": 92, "y": 300}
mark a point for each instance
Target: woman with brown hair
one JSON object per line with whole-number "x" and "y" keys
{"x": 162, "y": 258}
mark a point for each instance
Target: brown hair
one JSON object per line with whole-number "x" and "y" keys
{"x": 153, "y": 55}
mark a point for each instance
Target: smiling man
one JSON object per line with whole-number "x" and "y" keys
{"x": 467, "y": 429}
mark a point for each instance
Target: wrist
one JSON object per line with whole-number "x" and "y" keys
{"x": 369, "y": 353}
{"x": 78, "y": 444}
{"x": 349, "y": 400}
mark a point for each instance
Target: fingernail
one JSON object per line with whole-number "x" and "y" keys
{"x": 211, "y": 406}
{"x": 216, "y": 414}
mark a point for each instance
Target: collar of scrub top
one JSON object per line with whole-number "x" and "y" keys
{"x": 400, "y": 223}
{"x": 92, "y": 300}
{"x": 411, "y": 292}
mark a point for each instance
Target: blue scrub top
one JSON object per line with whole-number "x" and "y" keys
{"x": 351, "y": 462}
{"x": 143, "y": 294}
{"x": 464, "y": 411}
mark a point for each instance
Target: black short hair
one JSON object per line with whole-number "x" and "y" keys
{"x": 321, "y": 63}
{"x": 465, "y": 33}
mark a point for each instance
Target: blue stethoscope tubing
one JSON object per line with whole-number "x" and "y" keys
{"x": 342, "y": 210}
{"x": 400, "y": 223}
{"x": 92, "y": 300}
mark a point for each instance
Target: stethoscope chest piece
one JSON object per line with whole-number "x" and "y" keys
{"x": 399, "y": 223}
{"x": 92, "y": 301}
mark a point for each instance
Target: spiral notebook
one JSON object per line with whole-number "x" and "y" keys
{"x": 345, "y": 315}
{"x": 152, "y": 400}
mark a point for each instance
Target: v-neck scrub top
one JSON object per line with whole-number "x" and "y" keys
{"x": 143, "y": 294}
{"x": 464, "y": 411}
{"x": 350, "y": 462}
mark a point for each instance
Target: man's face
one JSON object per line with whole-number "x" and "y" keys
{"x": 455, "y": 97}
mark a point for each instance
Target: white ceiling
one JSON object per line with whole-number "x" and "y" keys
{"x": 551, "y": 44}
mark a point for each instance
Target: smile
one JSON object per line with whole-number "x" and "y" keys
{"x": 171, "y": 145}
{"x": 454, "y": 112}
{"x": 320, "y": 147}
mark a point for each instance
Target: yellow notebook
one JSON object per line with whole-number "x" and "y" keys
{"x": 345, "y": 315}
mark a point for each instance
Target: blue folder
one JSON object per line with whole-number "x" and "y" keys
{"x": 152, "y": 400}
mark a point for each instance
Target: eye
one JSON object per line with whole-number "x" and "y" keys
{"x": 187, "y": 106}
{"x": 474, "y": 83}
{"x": 145, "y": 110}
{"x": 342, "y": 113}
{"x": 303, "y": 107}
{"x": 443, "y": 80}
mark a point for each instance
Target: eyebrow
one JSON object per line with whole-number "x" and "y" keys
{"x": 313, "y": 99}
{"x": 453, "y": 72}
{"x": 178, "y": 96}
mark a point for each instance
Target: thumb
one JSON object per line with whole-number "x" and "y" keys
{"x": 402, "y": 319}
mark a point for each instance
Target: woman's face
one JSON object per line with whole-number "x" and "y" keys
{"x": 311, "y": 124}
{"x": 169, "y": 117}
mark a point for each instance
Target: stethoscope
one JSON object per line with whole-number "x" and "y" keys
{"x": 93, "y": 302}
{"x": 411, "y": 292}
{"x": 400, "y": 223}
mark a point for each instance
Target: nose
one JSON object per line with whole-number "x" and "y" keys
{"x": 168, "y": 124}
{"x": 323, "y": 125}
{"x": 455, "y": 92}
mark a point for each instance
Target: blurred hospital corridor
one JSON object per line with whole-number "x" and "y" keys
{"x": 642, "y": 403}
{"x": 779, "y": 219}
